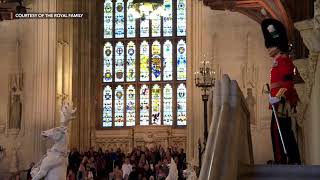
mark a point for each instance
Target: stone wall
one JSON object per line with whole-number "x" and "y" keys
{"x": 37, "y": 50}
{"x": 235, "y": 45}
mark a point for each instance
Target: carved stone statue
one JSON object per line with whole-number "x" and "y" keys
{"x": 53, "y": 165}
{"x": 173, "y": 171}
{"x": 251, "y": 101}
{"x": 15, "y": 103}
{"x": 190, "y": 173}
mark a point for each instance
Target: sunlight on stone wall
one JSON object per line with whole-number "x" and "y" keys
{"x": 237, "y": 46}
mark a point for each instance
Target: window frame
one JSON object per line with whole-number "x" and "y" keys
{"x": 137, "y": 40}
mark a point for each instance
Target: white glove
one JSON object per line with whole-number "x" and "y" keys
{"x": 273, "y": 100}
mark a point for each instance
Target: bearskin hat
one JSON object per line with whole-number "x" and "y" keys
{"x": 275, "y": 34}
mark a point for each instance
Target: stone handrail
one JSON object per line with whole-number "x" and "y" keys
{"x": 229, "y": 142}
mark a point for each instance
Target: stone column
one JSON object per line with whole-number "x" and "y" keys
{"x": 38, "y": 43}
{"x": 85, "y": 77}
{"x": 195, "y": 42}
{"x": 310, "y": 32}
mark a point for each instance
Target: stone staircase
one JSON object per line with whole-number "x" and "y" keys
{"x": 279, "y": 172}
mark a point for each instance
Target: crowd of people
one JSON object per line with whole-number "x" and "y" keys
{"x": 140, "y": 164}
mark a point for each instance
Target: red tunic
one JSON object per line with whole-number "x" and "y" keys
{"x": 282, "y": 84}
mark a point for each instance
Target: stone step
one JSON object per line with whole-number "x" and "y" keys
{"x": 280, "y": 172}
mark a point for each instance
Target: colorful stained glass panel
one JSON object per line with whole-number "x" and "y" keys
{"x": 156, "y": 61}
{"x": 167, "y": 61}
{"x": 131, "y": 106}
{"x": 119, "y": 62}
{"x": 181, "y": 105}
{"x": 131, "y": 21}
{"x": 156, "y": 105}
{"x": 107, "y": 63}
{"x": 144, "y": 28}
{"x": 167, "y": 18}
{"x": 107, "y": 107}
{"x": 144, "y": 105}
{"x": 181, "y": 17}
{"x": 131, "y": 62}
{"x": 119, "y": 20}
{"x": 181, "y": 60}
{"x": 144, "y": 61}
{"x": 119, "y": 106}
{"x": 108, "y": 14}
{"x": 167, "y": 105}
{"x": 156, "y": 26}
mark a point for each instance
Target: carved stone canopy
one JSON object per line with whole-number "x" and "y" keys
{"x": 255, "y": 9}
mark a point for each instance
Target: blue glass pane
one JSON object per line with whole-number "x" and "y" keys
{"x": 167, "y": 18}
{"x": 181, "y": 18}
{"x": 107, "y": 63}
{"x": 144, "y": 105}
{"x": 181, "y": 60}
{"x": 131, "y": 106}
{"x": 131, "y": 62}
{"x": 167, "y": 61}
{"x": 119, "y": 62}
{"x": 108, "y": 14}
{"x": 131, "y": 21}
{"x": 156, "y": 61}
{"x": 181, "y": 105}
{"x": 119, "y": 29}
{"x": 119, "y": 106}
{"x": 107, "y": 107}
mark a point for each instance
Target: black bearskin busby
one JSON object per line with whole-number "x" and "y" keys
{"x": 275, "y": 34}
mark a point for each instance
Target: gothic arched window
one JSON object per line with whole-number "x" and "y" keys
{"x": 144, "y": 66}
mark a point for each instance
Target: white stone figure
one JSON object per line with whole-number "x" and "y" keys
{"x": 173, "y": 171}
{"x": 190, "y": 173}
{"x": 53, "y": 166}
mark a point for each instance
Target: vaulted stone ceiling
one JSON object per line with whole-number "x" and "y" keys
{"x": 287, "y": 11}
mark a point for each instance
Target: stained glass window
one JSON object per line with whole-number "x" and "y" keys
{"x": 167, "y": 105}
{"x": 107, "y": 63}
{"x": 156, "y": 26}
{"x": 156, "y": 105}
{"x": 144, "y": 28}
{"x": 119, "y": 65}
{"x": 156, "y": 61}
{"x": 144, "y": 61}
{"x": 181, "y": 17}
{"x": 181, "y": 105}
{"x": 131, "y": 106}
{"x": 119, "y": 20}
{"x": 131, "y": 21}
{"x": 131, "y": 62}
{"x": 144, "y": 105}
{"x": 167, "y": 18}
{"x": 167, "y": 60}
{"x": 144, "y": 65}
{"x": 107, "y": 107}
{"x": 119, "y": 106}
{"x": 108, "y": 19}
{"x": 181, "y": 61}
